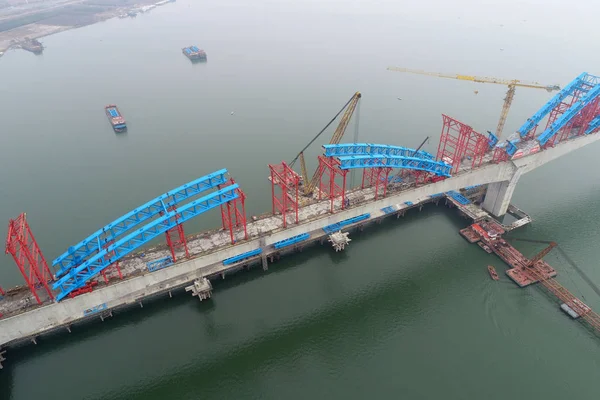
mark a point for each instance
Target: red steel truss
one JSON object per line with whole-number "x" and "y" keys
{"x": 105, "y": 272}
{"x": 557, "y": 112}
{"x": 176, "y": 241}
{"x": 287, "y": 180}
{"x": 459, "y": 142}
{"x": 578, "y": 124}
{"x": 330, "y": 167}
{"x": 237, "y": 207}
{"x": 376, "y": 177}
{"x": 21, "y": 244}
{"x": 2, "y": 292}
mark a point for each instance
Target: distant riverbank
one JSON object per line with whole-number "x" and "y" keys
{"x": 48, "y": 18}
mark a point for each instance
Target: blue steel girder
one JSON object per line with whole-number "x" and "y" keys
{"x": 376, "y": 161}
{"x": 77, "y": 254}
{"x": 568, "y": 115}
{"x": 77, "y": 277}
{"x": 595, "y": 124}
{"x": 582, "y": 82}
{"x": 364, "y": 149}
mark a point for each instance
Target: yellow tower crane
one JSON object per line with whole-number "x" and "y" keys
{"x": 510, "y": 94}
{"x": 349, "y": 107}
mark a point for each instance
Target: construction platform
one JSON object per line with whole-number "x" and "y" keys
{"x": 488, "y": 235}
{"x": 525, "y": 272}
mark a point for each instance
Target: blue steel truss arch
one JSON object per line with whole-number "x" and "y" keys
{"x": 375, "y": 161}
{"x": 364, "y": 149}
{"x": 583, "y": 82}
{"x": 77, "y": 277}
{"x": 93, "y": 244}
{"x": 568, "y": 115}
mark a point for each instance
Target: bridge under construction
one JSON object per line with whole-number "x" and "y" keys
{"x": 114, "y": 268}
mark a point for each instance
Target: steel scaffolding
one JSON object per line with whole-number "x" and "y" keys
{"x": 21, "y": 244}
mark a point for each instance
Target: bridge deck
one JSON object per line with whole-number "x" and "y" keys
{"x": 19, "y": 301}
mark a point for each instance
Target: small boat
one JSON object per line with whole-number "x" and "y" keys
{"x": 116, "y": 119}
{"x": 485, "y": 247}
{"x": 194, "y": 53}
{"x": 493, "y": 273}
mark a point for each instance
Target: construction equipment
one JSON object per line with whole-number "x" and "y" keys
{"x": 350, "y": 106}
{"x": 579, "y": 271}
{"x": 510, "y": 94}
{"x": 541, "y": 254}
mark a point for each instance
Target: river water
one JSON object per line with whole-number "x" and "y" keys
{"x": 408, "y": 310}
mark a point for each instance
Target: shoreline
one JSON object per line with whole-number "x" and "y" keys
{"x": 13, "y": 39}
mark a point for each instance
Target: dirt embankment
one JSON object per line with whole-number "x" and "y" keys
{"x": 46, "y": 17}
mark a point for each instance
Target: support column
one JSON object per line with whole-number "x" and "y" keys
{"x": 265, "y": 263}
{"x": 499, "y": 195}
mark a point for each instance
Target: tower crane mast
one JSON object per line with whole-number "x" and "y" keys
{"x": 349, "y": 107}
{"x": 510, "y": 94}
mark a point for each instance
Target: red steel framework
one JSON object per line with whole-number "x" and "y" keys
{"x": 288, "y": 181}
{"x": 376, "y": 177}
{"x": 557, "y": 112}
{"x": 330, "y": 167}
{"x": 176, "y": 241}
{"x": 175, "y": 238}
{"x": 105, "y": 272}
{"x": 459, "y": 141}
{"x": 21, "y": 244}
{"x": 578, "y": 124}
{"x": 236, "y": 206}
{"x": 2, "y": 292}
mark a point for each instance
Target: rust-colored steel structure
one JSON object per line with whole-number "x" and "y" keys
{"x": 377, "y": 177}
{"x": 329, "y": 168}
{"x": 21, "y": 244}
{"x": 288, "y": 181}
{"x": 175, "y": 238}
{"x": 110, "y": 254}
{"x": 234, "y": 210}
{"x": 458, "y": 142}
{"x": 578, "y": 124}
{"x": 176, "y": 241}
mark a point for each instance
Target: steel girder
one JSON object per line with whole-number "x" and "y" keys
{"x": 77, "y": 277}
{"x": 376, "y": 161}
{"x": 570, "y": 113}
{"x": 595, "y": 124}
{"x": 76, "y": 255}
{"x": 363, "y": 149}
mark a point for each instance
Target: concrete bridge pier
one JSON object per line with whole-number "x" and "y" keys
{"x": 499, "y": 194}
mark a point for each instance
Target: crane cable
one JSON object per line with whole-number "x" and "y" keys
{"x": 570, "y": 262}
{"x": 319, "y": 134}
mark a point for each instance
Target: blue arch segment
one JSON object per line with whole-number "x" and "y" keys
{"x": 583, "y": 82}
{"x": 363, "y": 149}
{"x": 568, "y": 115}
{"x": 595, "y": 124}
{"x": 78, "y": 254}
{"x": 435, "y": 167}
{"x": 77, "y": 277}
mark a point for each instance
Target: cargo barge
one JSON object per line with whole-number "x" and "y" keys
{"x": 194, "y": 53}
{"x": 116, "y": 119}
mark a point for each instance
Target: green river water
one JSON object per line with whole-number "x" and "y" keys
{"x": 408, "y": 310}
